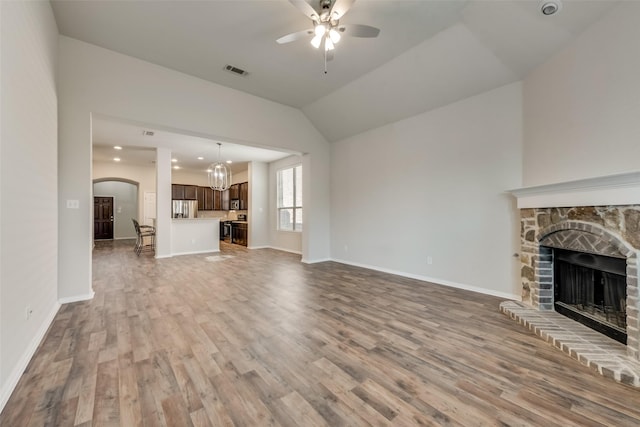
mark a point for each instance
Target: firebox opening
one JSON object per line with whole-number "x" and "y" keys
{"x": 592, "y": 289}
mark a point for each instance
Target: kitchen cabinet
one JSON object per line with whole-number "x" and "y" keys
{"x": 201, "y": 197}
{"x": 234, "y": 192}
{"x": 244, "y": 196}
{"x": 184, "y": 192}
{"x": 177, "y": 192}
{"x": 225, "y": 200}
{"x": 239, "y": 233}
{"x": 190, "y": 192}
{"x": 212, "y": 200}
{"x": 209, "y": 197}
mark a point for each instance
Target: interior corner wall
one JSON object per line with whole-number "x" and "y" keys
{"x": 290, "y": 241}
{"x": 425, "y": 197}
{"x": 97, "y": 80}
{"x": 28, "y": 185}
{"x": 581, "y": 107}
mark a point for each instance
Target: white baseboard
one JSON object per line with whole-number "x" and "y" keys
{"x": 435, "y": 280}
{"x": 315, "y": 261}
{"x": 207, "y": 251}
{"x": 76, "y": 298}
{"x": 18, "y": 370}
{"x": 284, "y": 250}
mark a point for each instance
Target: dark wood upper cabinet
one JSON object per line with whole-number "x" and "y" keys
{"x": 184, "y": 192}
{"x": 177, "y": 192}
{"x": 225, "y": 200}
{"x": 190, "y": 192}
{"x": 210, "y": 195}
{"x": 244, "y": 196}
{"x": 201, "y": 198}
{"x": 234, "y": 192}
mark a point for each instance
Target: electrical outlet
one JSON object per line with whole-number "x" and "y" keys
{"x": 28, "y": 311}
{"x": 429, "y": 260}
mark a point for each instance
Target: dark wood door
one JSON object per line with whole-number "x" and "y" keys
{"x": 102, "y": 218}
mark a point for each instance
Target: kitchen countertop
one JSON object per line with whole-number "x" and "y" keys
{"x": 196, "y": 219}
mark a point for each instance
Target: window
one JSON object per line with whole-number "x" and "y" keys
{"x": 290, "y": 199}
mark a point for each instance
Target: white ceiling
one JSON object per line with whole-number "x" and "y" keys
{"x": 429, "y": 53}
{"x": 140, "y": 150}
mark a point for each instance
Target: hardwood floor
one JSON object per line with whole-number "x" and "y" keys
{"x": 257, "y": 338}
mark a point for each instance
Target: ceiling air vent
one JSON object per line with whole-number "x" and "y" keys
{"x": 235, "y": 70}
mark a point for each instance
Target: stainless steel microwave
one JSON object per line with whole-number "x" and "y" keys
{"x": 235, "y": 204}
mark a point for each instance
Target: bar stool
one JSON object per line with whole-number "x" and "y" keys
{"x": 143, "y": 231}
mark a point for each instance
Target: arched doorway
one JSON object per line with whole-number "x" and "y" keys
{"x": 115, "y": 201}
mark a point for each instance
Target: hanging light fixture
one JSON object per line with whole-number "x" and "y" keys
{"x": 219, "y": 174}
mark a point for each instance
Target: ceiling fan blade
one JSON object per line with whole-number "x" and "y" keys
{"x": 294, "y": 36}
{"x": 357, "y": 30}
{"x": 305, "y": 8}
{"x": 340, "y": 7}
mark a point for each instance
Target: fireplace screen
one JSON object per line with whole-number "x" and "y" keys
{"x": 592, "y": 289}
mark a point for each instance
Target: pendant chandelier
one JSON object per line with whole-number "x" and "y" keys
{"x": 219, "y": 174}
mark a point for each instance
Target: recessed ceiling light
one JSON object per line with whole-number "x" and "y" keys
{"x": 229, "y": 161}
{"x": 176, "y": 167}
{"x": 117, "y": 147}
{"x": 174, "y": 160}
{"x": 200, "y": 158}
{"x": 550, "y": 7}
{"x": 209, "y": 170}
{"x": 116, "y": 159}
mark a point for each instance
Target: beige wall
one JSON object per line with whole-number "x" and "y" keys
{"x": 28, "y": 185}
{"x": 581, "y": 108}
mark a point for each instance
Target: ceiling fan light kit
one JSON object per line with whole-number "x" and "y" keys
{"x": 326, "y": 25}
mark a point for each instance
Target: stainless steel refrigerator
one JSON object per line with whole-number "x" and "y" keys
{"x": 185, "y": 209}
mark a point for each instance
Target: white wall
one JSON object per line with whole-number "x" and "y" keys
{"x": 28, "y": 184}
{"x": 582, "y": 108}
{"x": 125, "y": 205}
{"x": 290, "y": 241}
{"x": 97, "y": 80}
{"x": 433, "y": 186}
{"x": 179, "y": 176}
{"x": 258, "y": 205}
{"x": 145, "y": 176}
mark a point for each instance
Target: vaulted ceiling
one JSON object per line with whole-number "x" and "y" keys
{"x": 428, "y": 53}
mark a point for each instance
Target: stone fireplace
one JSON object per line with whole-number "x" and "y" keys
{"x": 611, "y": 231}
{"x": 580, "y": 247}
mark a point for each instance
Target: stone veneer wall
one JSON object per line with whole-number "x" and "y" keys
{"x": 605, "y": 230}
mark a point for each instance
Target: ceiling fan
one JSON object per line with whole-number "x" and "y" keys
{"x": 327, "y": 30}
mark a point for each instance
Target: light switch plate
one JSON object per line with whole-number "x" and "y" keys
{"x": 73, "y": 204}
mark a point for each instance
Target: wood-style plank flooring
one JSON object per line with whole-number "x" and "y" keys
{"x": 258, "y": 338}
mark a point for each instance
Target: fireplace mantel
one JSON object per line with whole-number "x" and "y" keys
{"x": 620, "y": 189}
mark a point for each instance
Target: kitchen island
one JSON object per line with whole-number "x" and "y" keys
{"x": 195, "y": 235}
